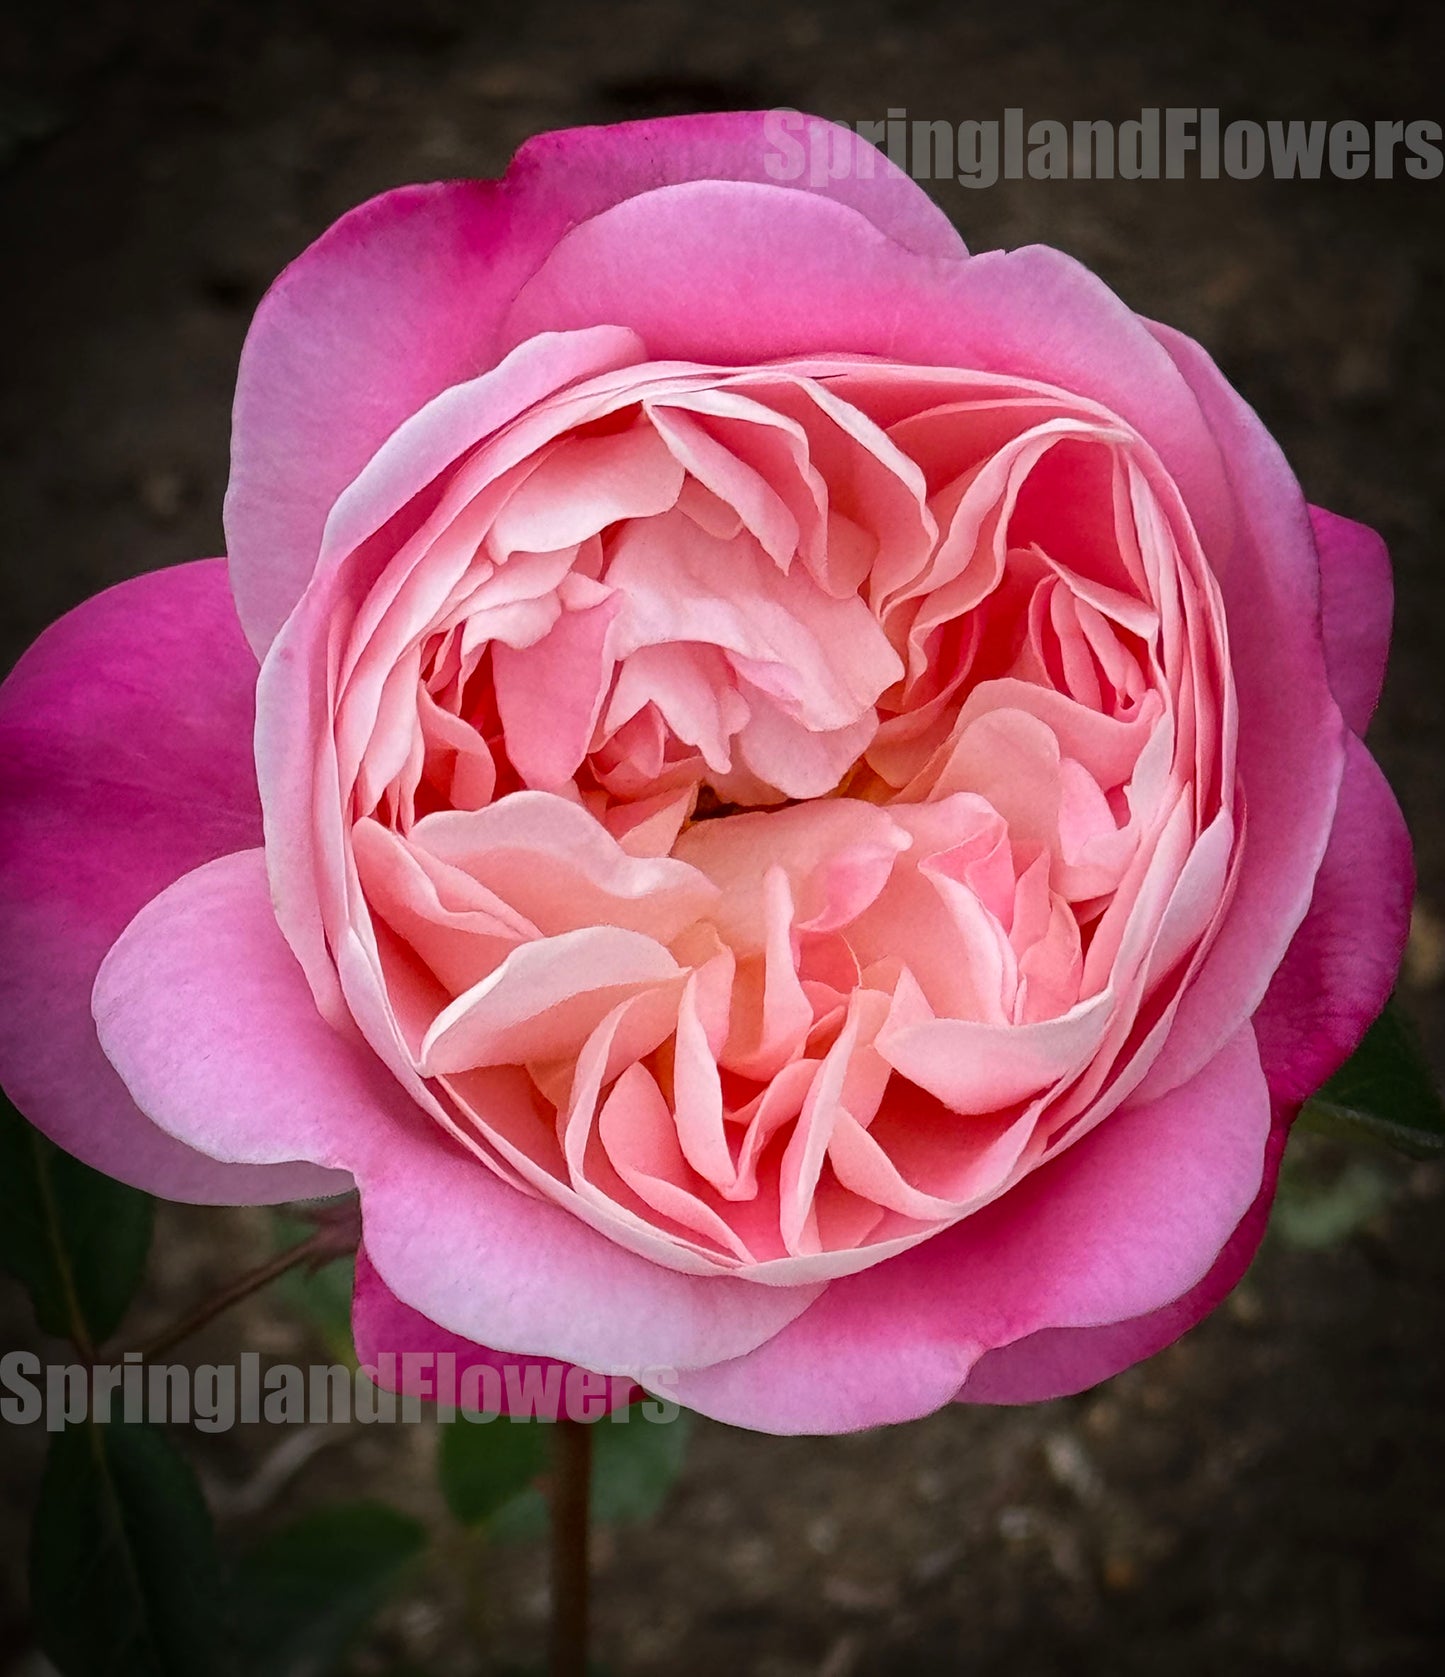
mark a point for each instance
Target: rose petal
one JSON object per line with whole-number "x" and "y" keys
{"x": 403, "y": 297}
{"x": 1341, "y": 966}
{"x": 203, "y": 1009}
{"x": 1357, "y": 600}
{"x": 1291, "y": 738}
{"x": 125, "y": 736}
{"x": 1057, "y": 1362}
{"x": 1120, "y": 1225}
{"x": 429, "y": 1362}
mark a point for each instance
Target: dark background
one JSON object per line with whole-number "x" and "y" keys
{"x": 1264, "y": 1498}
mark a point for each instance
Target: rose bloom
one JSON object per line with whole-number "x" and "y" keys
{"x": 787, "y": 802}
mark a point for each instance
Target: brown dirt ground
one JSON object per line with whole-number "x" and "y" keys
{"x": 1265, "y": 1497}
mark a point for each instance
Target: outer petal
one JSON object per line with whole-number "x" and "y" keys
{"x": 1291, "y": 736}
{"x": 1357, "y": 598}
{"x": 203, "y": 1009}
{"x": 125, "y": 761}
{"x": 1060, "y": 1361}
{"x": 598, "y": 167}
{"x": 1342, "y": 964}
{"x": 711, "y": 272}
{"x": 386, "y": 1330}
{"x": 1130, "y": 1219}
{"x": 404, "y": 297}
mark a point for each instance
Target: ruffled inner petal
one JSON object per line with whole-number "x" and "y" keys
{"x": 810, "y": 786}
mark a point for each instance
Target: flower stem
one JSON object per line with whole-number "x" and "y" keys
{"x": 570, "y": 1494}
{"x": 336, "y": 1234}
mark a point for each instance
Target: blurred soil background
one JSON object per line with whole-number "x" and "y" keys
{"x": 1266, "y": 1496}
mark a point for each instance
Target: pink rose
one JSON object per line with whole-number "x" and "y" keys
{"x": 807, "y": 823}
